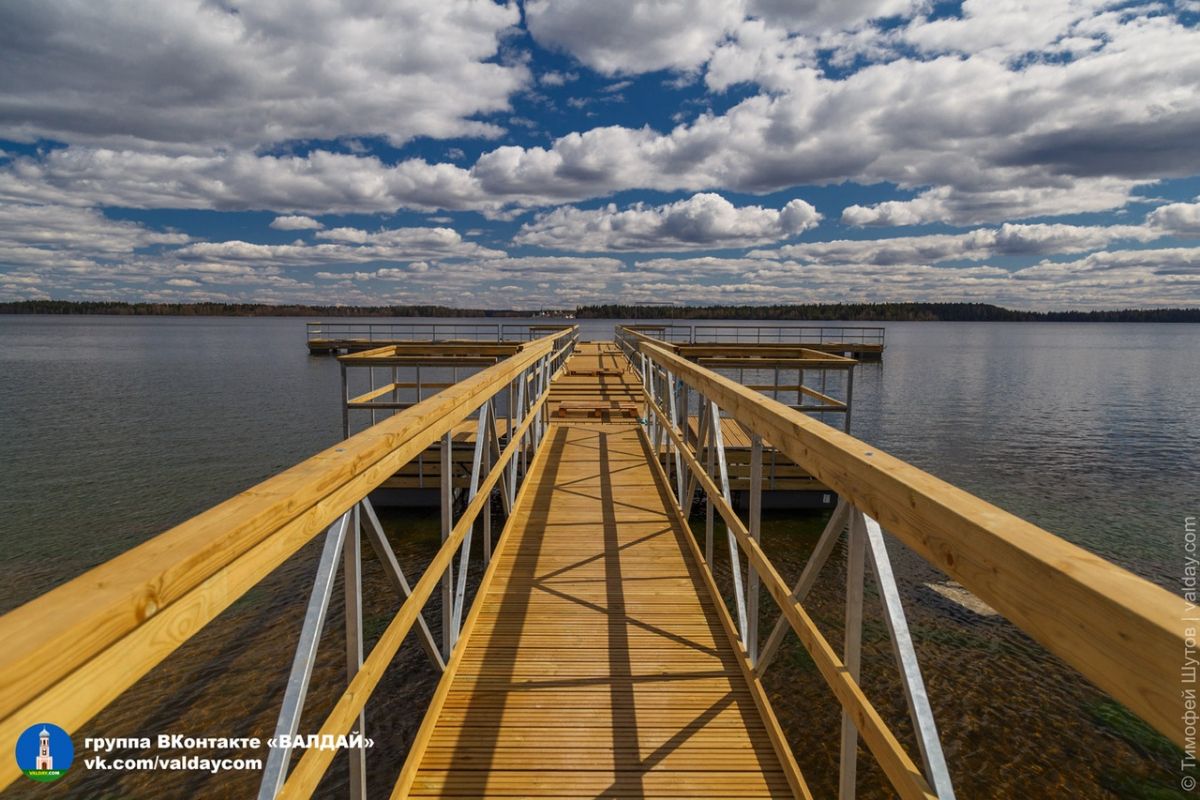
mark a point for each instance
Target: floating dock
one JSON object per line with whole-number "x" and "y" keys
{"x": 599, "y": 382}
{"x": 866, "y": 343}
{"x": 332, "y": 338}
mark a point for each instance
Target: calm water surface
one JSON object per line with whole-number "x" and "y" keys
{"x": 113, "y": 429}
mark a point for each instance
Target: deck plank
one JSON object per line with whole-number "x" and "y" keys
{"x": 597, "y": 665}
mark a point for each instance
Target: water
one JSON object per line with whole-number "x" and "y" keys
{"x": 113, "y": 429}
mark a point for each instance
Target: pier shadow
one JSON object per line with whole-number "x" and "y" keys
{"x": 636, "y": 738}
{"x": 484, "y": 718}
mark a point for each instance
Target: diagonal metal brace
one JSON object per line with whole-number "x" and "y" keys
{"x": 306, "y": 656}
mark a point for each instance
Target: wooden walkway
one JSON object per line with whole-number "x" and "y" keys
{"x": 597, "y": 382}
{"x": 597, "y": 664}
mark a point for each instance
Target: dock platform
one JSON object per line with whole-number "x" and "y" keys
{"x": 596, "y": 663}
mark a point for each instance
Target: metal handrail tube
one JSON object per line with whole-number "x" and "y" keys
{"x": 860, "y": 334}
{"x": 407, "y": 330}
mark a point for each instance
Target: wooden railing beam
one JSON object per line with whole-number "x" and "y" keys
{"x": 1118, "y": 630}
{"x": 312, "y": 765}
{"x": 73, "y": 650}
{"x": 901, "y": 770}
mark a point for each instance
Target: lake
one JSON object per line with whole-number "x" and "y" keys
{"x": 112, "y": 429}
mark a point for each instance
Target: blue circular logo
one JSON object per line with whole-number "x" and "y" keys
{"x": 44, "y": 752}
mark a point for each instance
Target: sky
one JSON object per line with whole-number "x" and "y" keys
{"x": 550, "y": 153}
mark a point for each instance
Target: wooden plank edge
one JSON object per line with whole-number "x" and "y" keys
{"x": 416, "y": 751}
{"x": 783, "y": 750}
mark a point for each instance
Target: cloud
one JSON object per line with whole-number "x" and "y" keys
{"x": 320, "y": 182}
{"x": 382, "y": 274}
{"x": 350, "y": 235}
{"x": 47, "y": 235}
{"x": 1005, "y": 111}
{"x": 204, "y": 74}
{"x": 622, "y": 37}
{"x": 555, "y": 267}
{"x": 993, "y": 141}
{"x": 977, "y": 245}
{"x": 977, "y": 140}
{"x": 704, "y": 221}
{"x": 809, "y": 15}
{"x": 1127, "y": 278}
{"x": 628, "y": 37}
{"x": 294, "y": 222}
{"x": 972, "y": 207}
{"x": 346, "y": 246}
{"x": 1122, "y": 264}
{"x": 1179, "y": 219}
{"x": 1001, "y": 27}
{"x": 555, "y": 78}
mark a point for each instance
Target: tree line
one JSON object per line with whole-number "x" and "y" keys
{"x": 252, "y": 310}
{"x": 885, "y": 312}
{"x": 816, "y": 312}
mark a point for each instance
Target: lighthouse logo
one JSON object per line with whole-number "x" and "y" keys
{"x": 44, "y": 752}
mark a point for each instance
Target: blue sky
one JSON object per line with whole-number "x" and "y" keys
{"x": 545, "y": 154}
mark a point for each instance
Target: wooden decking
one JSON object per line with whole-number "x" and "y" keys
{"x": 597, "y": 383}
{"x": 596, "y": 664}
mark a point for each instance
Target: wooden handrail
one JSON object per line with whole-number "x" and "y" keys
{"x": 70, "y": 652}
{"x": 892, "y": 758}
{"x": 375, "y": 356}
{"x": 1119, "y": 630}
{"x": 307, "y": 774}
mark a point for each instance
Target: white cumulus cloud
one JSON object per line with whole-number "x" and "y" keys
{"x": 978, "y": 245}
{"x": 295, "y": 222}
{"x": 703, "y": 221}
{"x": 1179, "y": 219}
{"x": 183, "y": 75}
{"x": 632, "y": 36}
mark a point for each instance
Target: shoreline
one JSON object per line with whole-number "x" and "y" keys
{"x": 813, "y": 313}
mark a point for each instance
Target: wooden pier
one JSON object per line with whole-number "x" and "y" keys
{"x": 597, "y": 656}
{"x": 596, "y": 663}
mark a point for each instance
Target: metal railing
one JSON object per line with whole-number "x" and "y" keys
{"x": 403, "y": 331}
{"x": 113, "y": 624}
{"x": 428, "y": 331}
{"x": 783, "y": 379}
{"x": 765, "y": 334}
{"x": 1120, "y": 631}
{"x": 426, "y": 370}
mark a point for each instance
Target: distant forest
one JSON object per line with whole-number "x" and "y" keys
{"x": 886, "y": 312}
{"x": 844, "y": 312}
{"x": 251, "y": 310}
